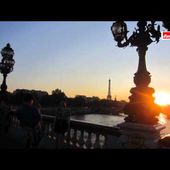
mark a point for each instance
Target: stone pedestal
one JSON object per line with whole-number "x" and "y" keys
{"x": 140, "y": 136}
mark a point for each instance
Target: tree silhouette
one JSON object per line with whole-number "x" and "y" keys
{"x": 57, "y": 96}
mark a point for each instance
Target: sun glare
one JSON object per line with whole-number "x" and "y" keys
{"x": 162, "y": 98}
{"x": 162, "y": 118}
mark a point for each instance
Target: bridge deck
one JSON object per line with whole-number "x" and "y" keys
{"x": 15, "y": 139}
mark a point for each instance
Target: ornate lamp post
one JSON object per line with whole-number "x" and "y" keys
{"x": 6, "y": 66}
{"x": 141, "y": 128}
{"x": 141, "y": 108}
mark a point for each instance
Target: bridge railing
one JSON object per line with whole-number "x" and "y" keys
{"x": 83, "y": 135}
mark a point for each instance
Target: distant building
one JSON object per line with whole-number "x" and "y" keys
{"x": 92, "y": 99}
{"x": 87, "y": 99}
{"x": 109, "y": 97}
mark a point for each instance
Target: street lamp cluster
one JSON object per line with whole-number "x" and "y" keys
{"x": 141, "y": 37}
{"x": 141, "y": 108}
{"x": 6, "y": 66}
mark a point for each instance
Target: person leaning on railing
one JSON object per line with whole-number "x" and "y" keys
{"x": 30, "y": 118}
{"x": 62, "y": 123}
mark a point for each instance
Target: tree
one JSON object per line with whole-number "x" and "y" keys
{"x": 17, "y": 98}
{"x": 46, "y": 101}
{"x": 80, "y": 101}
{"x": 57, "y": 96}
{"x": 56, "y": 92}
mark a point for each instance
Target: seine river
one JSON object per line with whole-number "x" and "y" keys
{"x": 107, "y": 120}
{"x": 111, "y": 120}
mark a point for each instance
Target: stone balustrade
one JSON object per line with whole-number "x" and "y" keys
{"x": 82, "y": 135}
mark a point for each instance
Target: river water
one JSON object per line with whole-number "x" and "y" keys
{"x": 106, "y": 120}
{"x": 112, "y": 120}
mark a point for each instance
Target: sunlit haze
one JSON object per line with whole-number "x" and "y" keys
{"x": 79, "y": 58}
{"x": 162, "y": 98}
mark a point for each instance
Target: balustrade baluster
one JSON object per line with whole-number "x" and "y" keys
{"x": 93, "y": 139}
{"x": 67, "y": 138}
{"x": 81, "y": 141}
{"x": 74, "y": 139}
{"x": 71, "y": 136}
{"x": 88, "y": 142}
{"x": 97, "y": 141}
{"x": 103, "y": 140}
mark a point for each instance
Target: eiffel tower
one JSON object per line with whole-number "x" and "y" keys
{"x": 109, "y": 97}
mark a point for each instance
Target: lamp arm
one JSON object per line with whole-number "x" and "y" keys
{"x": 125, "y": 44}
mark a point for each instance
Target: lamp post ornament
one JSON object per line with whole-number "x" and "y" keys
{"x": 6, "y": 66}
{"x": 141, "y": 107}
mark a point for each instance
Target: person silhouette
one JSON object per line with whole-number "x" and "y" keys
{"x": 29, "y": 117}
{"x": 62, "y": 123}
{"x": 37, "y": 105}
{"x": 40, "y": 126}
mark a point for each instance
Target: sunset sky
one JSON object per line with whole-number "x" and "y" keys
{"x": 79, "y": 58}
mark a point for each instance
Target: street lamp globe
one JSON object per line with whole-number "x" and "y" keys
{"x": 7, "y": 51}
{"x": 119, "y": 31}
{"x": 7, "y": 63}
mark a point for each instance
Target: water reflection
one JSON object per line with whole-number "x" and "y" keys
{"x": 106, "y": 120}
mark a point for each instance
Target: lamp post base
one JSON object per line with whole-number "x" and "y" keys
{"x": 141, "y": 108}
{"x": 135, "y": 135}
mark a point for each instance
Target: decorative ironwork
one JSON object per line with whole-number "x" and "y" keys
{"x": 166, "y": 24}
{"x": 141, "y": 108}
{"x": 6, "y": 66}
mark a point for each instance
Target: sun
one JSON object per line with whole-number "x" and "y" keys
{"x": 162, "y": 98}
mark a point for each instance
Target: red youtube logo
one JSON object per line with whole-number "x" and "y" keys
{"x": 166, "y": 35}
